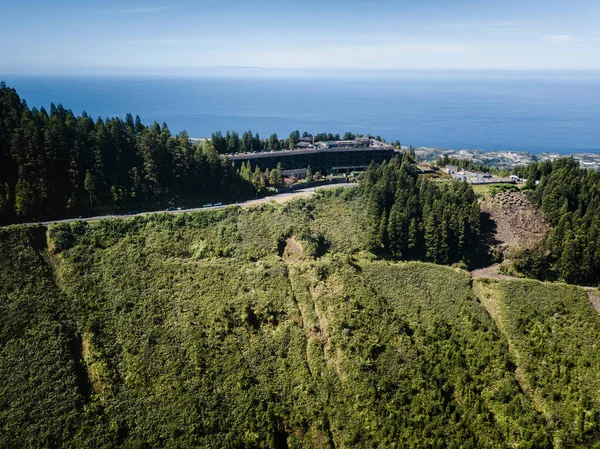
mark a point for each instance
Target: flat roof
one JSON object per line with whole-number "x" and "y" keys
{"x": 339, "y": 142}
{"x": 297, "y": 152}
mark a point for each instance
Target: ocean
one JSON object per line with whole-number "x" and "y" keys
{"x": 529, "y": 113}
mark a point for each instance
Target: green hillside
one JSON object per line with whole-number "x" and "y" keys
{"x": 273, "y": 327}
{"x": 554, "y": 333}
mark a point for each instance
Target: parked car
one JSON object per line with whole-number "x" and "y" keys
{"x": 208, "y": 205}
{"x": 182, "y": 208}
{"x": 218, "y": 204}
{"x": 133, "y": 212}
{"x": 171, "y": 208}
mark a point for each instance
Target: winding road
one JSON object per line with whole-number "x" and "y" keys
{"x": 280, "y": 197}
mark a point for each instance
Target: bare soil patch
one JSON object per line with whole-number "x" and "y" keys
{"x": 518, "y": 224}
{"x": 594, "y": 299}
{"x": 292, "y": 252}
{"x": 490, "y": 272}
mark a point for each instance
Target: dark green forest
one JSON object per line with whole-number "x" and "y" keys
{"x": 569, "y": 197}
{"x": 415, "y": 218}
{"x": 231, "y": 142}
{"x": 55, "y": 165}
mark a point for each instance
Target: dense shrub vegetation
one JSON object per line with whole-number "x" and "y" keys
{"x": 274, "y": 327}
{"x": 569, "y": 196}
{"x": 554, "y": 333}
{"x": 40, "y": 392}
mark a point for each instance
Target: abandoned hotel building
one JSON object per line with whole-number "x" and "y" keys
{"x": 329, "y": 157}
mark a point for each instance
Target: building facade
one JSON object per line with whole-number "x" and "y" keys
{"x": 326, "y": 159}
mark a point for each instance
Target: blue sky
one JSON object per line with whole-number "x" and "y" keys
{"x": 68, "y": 36}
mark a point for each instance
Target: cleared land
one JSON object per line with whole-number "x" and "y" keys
{"x": 518, "y": 224}
{"x": 594, "y": 299}
{"x": 490, "y": 272}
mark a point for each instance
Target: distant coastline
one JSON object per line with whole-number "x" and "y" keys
{"x": 506, "y": 159}
{"x": 500, "y": 159}
{"x": 477, "y": 110}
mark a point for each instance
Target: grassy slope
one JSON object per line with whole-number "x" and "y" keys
{"x": 39, "y": 389}
{"x": 554, "y": 333}
{"x": 426, "y": 361}
{"x": 190, "y": 330}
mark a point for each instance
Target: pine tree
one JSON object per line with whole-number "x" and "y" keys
{"x": 276, "y": 176}
{"x": 396, "y": 231}
{"x": 258, "y": 180}
{"x": 257, "y": 144}
{"x": 309, "y": 174}
{"x": 90, "y": 186}
{"x": 6, "y": 204}
{"x": 532, "y": 175}
{"x": 274, "y": 142}
{"x": 233, "y": 143}
{"x": 293, "y": 139}
{"x": 25, "y": 202}
{"x": 246, "y": 142}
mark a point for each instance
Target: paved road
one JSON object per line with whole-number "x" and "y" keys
{"x": 277, "y": 197}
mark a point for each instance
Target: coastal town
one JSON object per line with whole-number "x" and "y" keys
{"x": 356, "y": 153}
{"x": 504, "y": 159}
{"x": 477, "y": 177}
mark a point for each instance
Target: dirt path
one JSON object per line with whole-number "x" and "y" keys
{"x": 491, "y": 272}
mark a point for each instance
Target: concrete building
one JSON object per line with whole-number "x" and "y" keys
{"x": 329, "y": 157}
{"x": 342, "y": 144}
{"x": 298, "y": 173}
{"x": 304, "y": 145}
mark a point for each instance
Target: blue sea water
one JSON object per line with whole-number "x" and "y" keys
{"x": 535, "y": 114}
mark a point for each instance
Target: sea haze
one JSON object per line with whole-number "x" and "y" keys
{"x": 529, "y": 113}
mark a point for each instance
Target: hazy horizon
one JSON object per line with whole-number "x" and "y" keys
{"x": 265, "y": 72}
{"x": 138, "y": 37}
